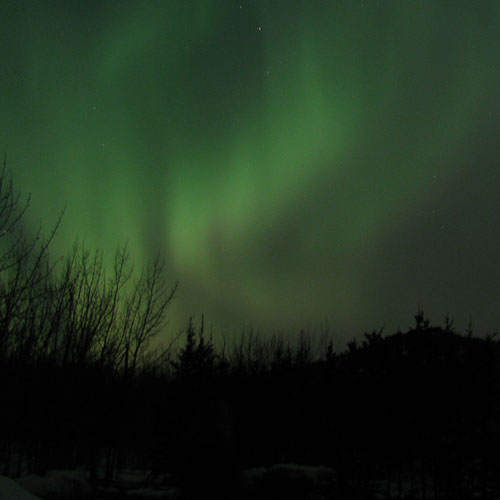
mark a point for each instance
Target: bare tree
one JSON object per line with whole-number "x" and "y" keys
{"x": 144, "y": 311}
{"x": 24, "y": 268}
{"x": 11, "y": 213}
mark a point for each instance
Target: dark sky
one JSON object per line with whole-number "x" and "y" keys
{"x": 297, "y": 162}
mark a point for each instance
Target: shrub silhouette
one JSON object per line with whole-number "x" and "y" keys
{"x": 206, "y": 449}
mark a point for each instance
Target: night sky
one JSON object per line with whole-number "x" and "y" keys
{"x": 298, "y": 162}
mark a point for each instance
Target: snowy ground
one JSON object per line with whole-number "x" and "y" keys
{"x": 57, "y": 484}
{"x": 281, "y": 481}
{"x": 11, "y": 490}
{"x": 65, "y": 485}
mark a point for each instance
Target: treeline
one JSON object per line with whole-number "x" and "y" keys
{"x": 72, "y": 338}
{"x": 415, "y": 414}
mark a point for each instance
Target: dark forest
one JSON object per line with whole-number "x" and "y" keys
{"x": 412, "y": 414}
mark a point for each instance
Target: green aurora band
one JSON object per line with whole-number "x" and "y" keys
{"x": 296, "y": 161}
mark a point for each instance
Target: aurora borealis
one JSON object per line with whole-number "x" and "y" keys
{"x": 297, "y": 162}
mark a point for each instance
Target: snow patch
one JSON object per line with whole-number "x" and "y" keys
{"x": 11, "y": 490}
{"x": 57, "y": 484}
{"x": 289, "y": 481}
{"x": 153, "y": 494}
{"x": 316, "y": 474}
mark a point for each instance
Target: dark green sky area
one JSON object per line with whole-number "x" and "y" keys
{"x": 298, "y": 162}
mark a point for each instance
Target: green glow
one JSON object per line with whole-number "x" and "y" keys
{"x": 287, "y": 157}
